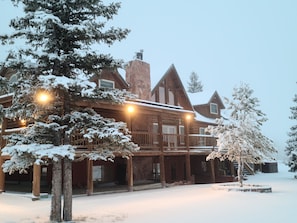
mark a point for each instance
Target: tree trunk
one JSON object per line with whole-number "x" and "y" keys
{"x": 240, "y": 172}
{"x": 67, "y": 190}
{"x": 2, "y": 175}
{"x": 56, "y": 191}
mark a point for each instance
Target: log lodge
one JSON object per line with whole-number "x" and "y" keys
{"x": 168, "y": 128}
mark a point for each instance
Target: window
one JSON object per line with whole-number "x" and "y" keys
{"x": 213, "y": 108}
{"x": 171, "y": 98}
{"x": 98, "y": 173}
{"x": 162, "y": 95}
{"x": 156, "y": 171}
{"x": 169, "y": 136}
{"x": 155, "y": 133}
{"x": 12, "y": 79}
{"x": 106, "y": 83}
{"x": 182, "y": 134}
{"x": 202, "y": 131}
{"x": 202, "y": 139}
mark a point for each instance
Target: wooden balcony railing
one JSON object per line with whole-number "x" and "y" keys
{"x": 151, "y": 142}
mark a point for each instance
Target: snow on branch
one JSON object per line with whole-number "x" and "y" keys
{"x": 107, "y": 136}
{"x": 23, "y": 156}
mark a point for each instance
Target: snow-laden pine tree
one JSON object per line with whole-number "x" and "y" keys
{"x": 194, "y": 85}
{"x": 291, "y": 148}
{"x": 239, "y": 138}
{"x": 52, "y": 70}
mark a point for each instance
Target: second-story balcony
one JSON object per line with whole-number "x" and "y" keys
{"x": 152, "y": 142}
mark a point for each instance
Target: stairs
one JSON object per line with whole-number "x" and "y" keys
{"x": 247, "y": 170}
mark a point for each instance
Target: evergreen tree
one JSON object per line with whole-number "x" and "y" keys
{"x": 194, "y": 85}
{"x": 291, "y": 148}
{"x": 58, "y": 59}
{"x": 240, "y": 138}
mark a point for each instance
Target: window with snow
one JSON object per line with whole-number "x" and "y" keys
{"x": 106, "y": 84}
{"x": 213, "y": 108}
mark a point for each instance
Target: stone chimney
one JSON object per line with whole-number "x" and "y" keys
{"x": 138, "y": 77}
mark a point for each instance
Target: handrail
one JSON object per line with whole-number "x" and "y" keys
{"x": 150, "y": 141}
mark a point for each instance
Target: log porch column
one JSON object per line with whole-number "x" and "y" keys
{"x": 162, "y": 171}
{"x": 90, "y": 186}
{"x": 36, "y": 181}
{"x": 2, "y": 174}
{"x": 162, "y": 159}
{"x": 212, "y": 169}
{"x": 188, "y": 168}
{"x": 188, "y": 159}
{"x": 130, "y": 174}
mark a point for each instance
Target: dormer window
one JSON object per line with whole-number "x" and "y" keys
{"x": 213, "y": 108}
{"x": 106, "y": 84}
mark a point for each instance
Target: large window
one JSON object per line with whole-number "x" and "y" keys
{"x": 213, "y": 108}
{"x": 169, "y": 136}
{"x": 106, "y": 83}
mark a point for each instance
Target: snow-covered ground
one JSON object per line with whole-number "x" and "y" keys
{"x": 192, "y": 203}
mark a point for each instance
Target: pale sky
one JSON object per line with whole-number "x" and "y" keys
{"x": 226, "y": 42}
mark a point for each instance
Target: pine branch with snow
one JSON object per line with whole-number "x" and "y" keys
{"x": 37, "y": 143}
{"x": 108, "y": 136}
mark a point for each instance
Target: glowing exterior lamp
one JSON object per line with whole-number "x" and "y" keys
{"x": 130, "y": 109}
{"x": 23, "y": 122}
{"x": 43, "y": 97}
{"x": 188, "y": 117}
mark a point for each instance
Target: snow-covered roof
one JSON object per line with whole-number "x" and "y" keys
{"x": 202, "y": 118}
{"x": 158, "y": 105}
{"x": 201, "y": 98}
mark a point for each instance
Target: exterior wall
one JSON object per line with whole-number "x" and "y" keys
{"x": 205, "y": 110}
{"x": 170, "y": 90}
{"x": 113, "y": 75}
{"x": 143, "y": 170}
{"x": 138, "y": 76}
{"x": 175, "y": 169}
{"x": 201, "y": 169}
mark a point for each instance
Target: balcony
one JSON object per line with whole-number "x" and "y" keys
{"x": 152, "y": 142}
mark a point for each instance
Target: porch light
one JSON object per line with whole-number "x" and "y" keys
{"x": 188, "y": 117}
{"x": 130, "y": 109}
{"x": 23, "y": 122}
{"x": 43, "y": 97}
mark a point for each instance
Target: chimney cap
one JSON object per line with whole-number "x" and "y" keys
{"x": 139, "y": 55}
